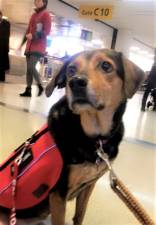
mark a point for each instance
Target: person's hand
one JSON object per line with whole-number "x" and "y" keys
{"x": 18, "y": 51}
{"x": 19, "y": 48}
{"x": 29, "y": 36}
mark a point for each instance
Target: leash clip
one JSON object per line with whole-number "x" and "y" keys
{"x": 20, "y": 157}
{"x": 102, "y": 155}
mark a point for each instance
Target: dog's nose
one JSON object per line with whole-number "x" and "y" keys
{"x": 78, "y": 83}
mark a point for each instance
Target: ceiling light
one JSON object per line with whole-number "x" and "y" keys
{"x": 151, "y": 56}
{"x": 143, "y": 52}
{"x": 133, "y": 48}
{"x": 5, "y": 17}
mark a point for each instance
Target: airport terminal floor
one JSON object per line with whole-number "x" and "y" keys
{"x": 135, "y": 164}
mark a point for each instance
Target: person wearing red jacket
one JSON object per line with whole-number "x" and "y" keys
{"x": 38, "y": 29}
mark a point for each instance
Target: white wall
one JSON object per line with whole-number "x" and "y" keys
{"x": 138, "y": 52}
{"x": 61, "y": 9}
{"x": 124, "y": 41}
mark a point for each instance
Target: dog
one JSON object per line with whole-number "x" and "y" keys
{"x": 97, "y": 85}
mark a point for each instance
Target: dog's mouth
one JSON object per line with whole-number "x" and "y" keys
{"x": 83, "y": 103}
{"x": 80, "y": 101}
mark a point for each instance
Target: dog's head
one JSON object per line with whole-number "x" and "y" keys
{"x": 97, "y": 81}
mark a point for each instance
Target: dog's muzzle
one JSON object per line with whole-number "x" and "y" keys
{"x": 78, "y": 84}
{"x": 80, "y": 94}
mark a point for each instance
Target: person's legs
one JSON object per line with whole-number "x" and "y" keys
{"x": 29, "y": 73}
{"x": 32, "y": 72}
{"x": 36, "y": 75}
{"x": 144, "y": 99}
{"x": 2, "y": 75}
{"x": 29, "y": 78}
{"x": 154, "y": 99}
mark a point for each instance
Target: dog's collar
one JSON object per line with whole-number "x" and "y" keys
{"x": 102, "y": 140}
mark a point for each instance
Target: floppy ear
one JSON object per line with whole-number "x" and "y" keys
{"x": 58, "y": 79}
{"x": 133, "y": 77}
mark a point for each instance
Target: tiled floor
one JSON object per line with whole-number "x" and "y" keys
{"x": 135, "y": 165}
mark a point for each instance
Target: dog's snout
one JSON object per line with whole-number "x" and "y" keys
{"x": 78, "y": 83}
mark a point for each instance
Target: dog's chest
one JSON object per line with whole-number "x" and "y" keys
{"x": 82, "y": 175}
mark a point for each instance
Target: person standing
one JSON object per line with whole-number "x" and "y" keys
{"x": 151, "y": 84}
{"x": 38, "y": 29}
{"x": 4, "y": 46}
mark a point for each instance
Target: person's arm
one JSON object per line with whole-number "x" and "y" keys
{"x": 23, "y": 40}
{"x": 47, "y": 24}
{"x": 45, "y": 27}
{"x": 8, "y": 30}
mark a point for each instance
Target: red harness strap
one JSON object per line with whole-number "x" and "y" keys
{"x": 14, "y": 171}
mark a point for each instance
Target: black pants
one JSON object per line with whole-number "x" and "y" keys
{"x": 154, "y": 98}
{"x": 2, "y": 75}
{"x": 32, "y": 71}
{"x": 144, "y": 99}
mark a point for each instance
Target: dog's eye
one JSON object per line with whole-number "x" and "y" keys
{"x": 71, "y": 70}
{"x": 106, "y": 66}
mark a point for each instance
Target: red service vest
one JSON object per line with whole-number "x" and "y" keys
{"x": 39, "y": 167}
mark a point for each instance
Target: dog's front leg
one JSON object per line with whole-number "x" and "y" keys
{"x": 3, "y": 219}
{"x": 81, "y": 204}
{"x": 57, "y": 208}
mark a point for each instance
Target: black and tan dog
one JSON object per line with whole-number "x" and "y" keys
{"x": 97, "y": 85}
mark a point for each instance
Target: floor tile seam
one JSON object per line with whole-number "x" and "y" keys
{"x": 137, "y": 141}
{"x": 13, "y": 107}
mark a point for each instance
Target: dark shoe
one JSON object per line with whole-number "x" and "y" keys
{"x": 40, "y": 89}
{"x": 143, "y": 109}
{"x": 26, "y": 93}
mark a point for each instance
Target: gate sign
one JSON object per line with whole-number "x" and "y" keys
{"x": 96, "y": 12}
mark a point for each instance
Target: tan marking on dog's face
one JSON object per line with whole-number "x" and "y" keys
{"x": 104, "y": 92}
{"x": 102, "y": 88}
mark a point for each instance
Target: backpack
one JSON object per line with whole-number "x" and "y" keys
{"x": 30, "y": 172}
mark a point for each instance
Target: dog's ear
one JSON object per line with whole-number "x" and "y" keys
{"x": 133, "y": 77}
{"x": 58, "y": 79}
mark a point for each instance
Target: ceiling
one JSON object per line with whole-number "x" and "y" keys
{"x": 137, "y": 16}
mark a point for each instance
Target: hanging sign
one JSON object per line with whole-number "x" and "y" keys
{"x": 96, "y": 12}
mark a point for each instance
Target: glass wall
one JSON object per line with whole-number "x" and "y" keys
{"x": 68, "y": 38}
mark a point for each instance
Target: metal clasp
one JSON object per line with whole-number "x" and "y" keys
{"x": 102, "y": 155}
{"x": 19, "y": 158}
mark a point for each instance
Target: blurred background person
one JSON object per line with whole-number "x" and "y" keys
{"x": 36, "y": 41}
{"x": 4, "y": 46}
{"x": 151, "y": 84}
